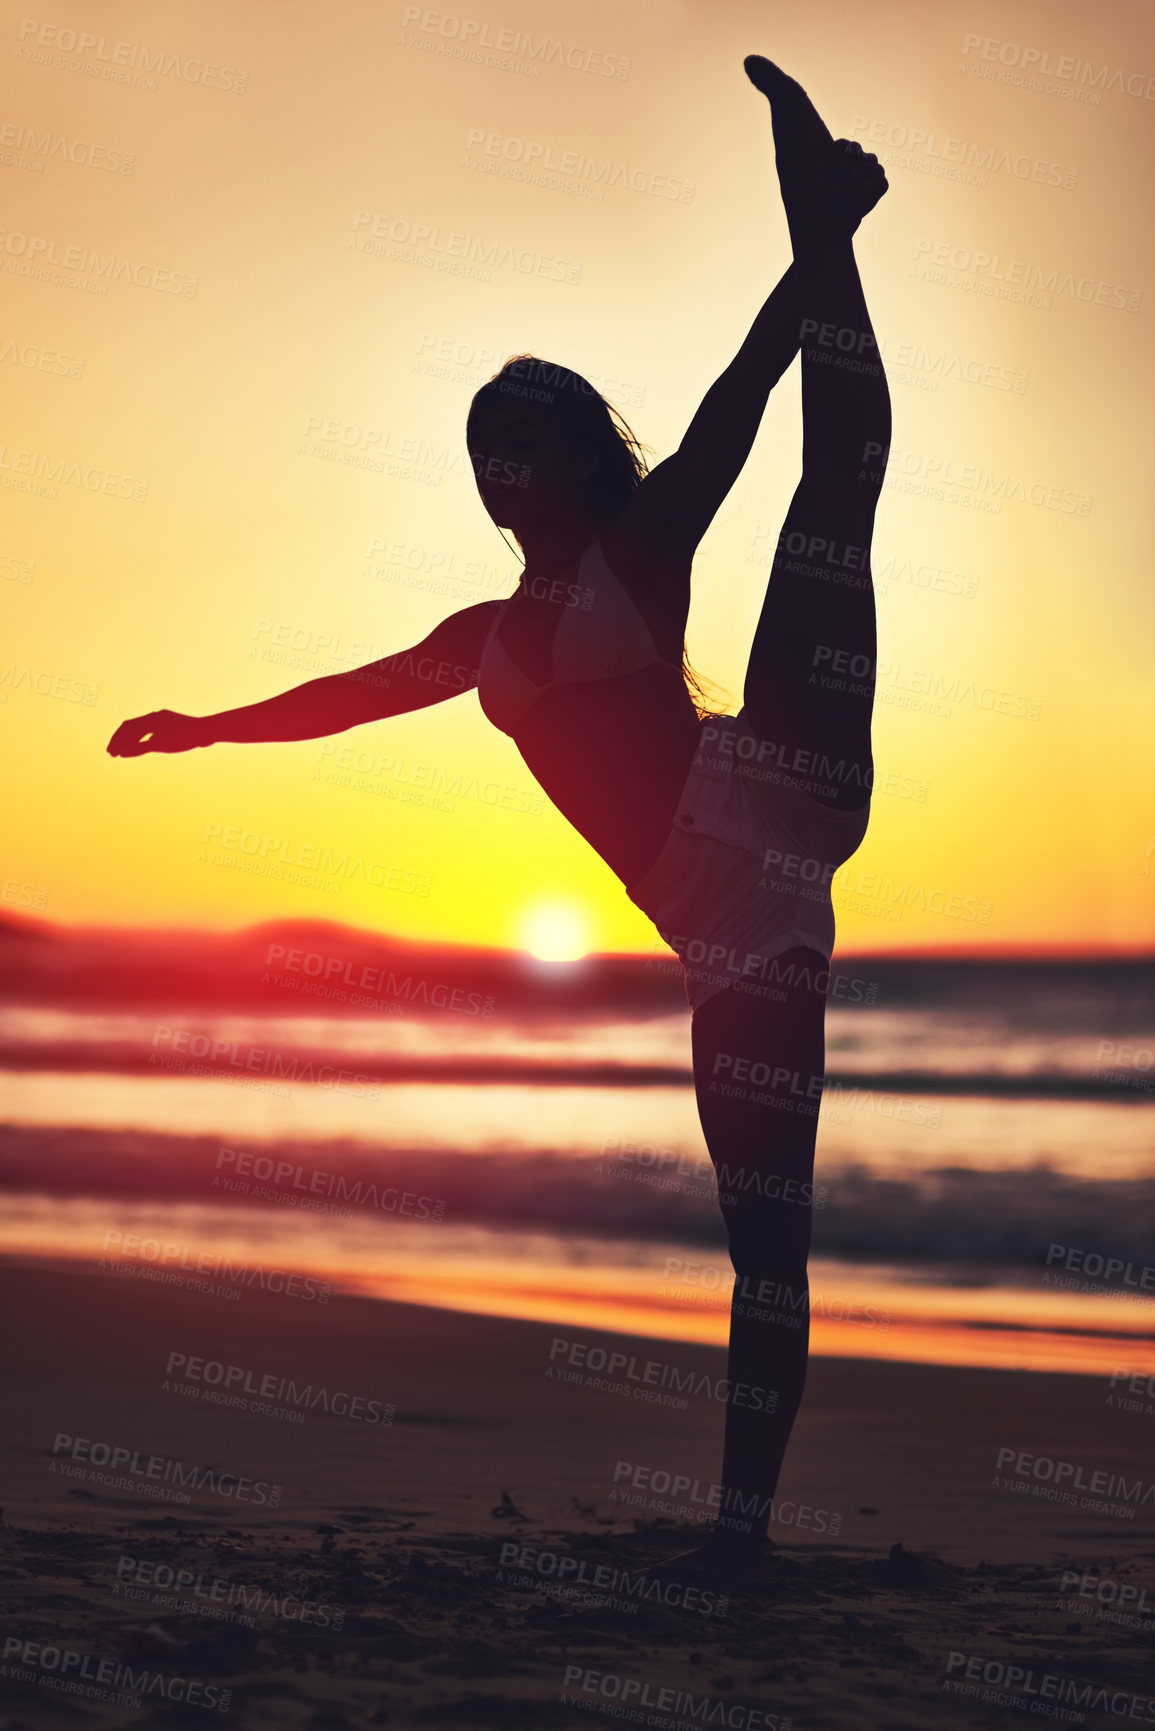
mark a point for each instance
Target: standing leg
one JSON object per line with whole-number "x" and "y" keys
{"x": 760, "y": 1131}
{"x": 761, "y": 1135}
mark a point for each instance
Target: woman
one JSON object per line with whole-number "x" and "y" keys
{"x": 725, "y": 830}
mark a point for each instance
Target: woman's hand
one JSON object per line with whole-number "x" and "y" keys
{"x": 163, "y": 730}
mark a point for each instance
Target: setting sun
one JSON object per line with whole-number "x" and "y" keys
{"x": 554, "y": 932}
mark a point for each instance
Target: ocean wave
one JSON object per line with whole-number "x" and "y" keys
{"x": 212, "y": 1060}
{"x": 944, "y": 1215}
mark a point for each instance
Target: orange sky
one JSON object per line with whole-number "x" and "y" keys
{"x": 210, "y": 541}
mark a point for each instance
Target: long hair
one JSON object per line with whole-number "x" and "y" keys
{"x": 588, "y": 420}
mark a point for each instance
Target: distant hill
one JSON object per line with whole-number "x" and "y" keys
{"x": 318, "y": 967}
{"x": 311, "y": 966}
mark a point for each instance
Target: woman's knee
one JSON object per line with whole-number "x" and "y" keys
{"x": 769, "y": 1244}
{"x": 738, "y": 1027}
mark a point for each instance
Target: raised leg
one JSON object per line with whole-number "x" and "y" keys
{"x": 810, "y": 678}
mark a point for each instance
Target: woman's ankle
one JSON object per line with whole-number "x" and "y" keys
{"x": 737, "y": 1534}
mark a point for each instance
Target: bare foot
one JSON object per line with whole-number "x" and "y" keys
{"x": 854, "y": 181}
{"x": 724, "y": 1558}
{"x": 827, "y": 188}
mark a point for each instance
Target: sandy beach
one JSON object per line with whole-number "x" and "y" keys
{"x": 457, "y": 1531}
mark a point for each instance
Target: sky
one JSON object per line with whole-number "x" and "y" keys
{"x": 255, "y": 262}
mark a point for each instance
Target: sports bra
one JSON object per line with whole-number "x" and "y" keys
{"x": 599, "y": 635}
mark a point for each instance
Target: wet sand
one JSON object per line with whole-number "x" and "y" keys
{"x": 412, "y": 1571}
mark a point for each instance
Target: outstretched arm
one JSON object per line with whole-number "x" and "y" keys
{"x": 442, "y": 665}
{"x": 677, "y": 502}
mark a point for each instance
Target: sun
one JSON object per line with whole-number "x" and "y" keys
{"x": 554, "y": 932}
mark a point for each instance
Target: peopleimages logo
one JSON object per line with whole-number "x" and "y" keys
{"x": 651, "y": 1372}
{"x": 46, "y": 145}
{"x": 1100, "y": 1267}
{"x": 470, "y": 35}
{"x": 185, "y": 1257}
{"x": 229, "y": 1384}
{"x": 630, "y": 1694}
{"x": 1062, "y": 1479}
{"x": 231, "y": 1054}
{"x": 151, "y": 1582}
{"x": 321, "y": 1183}
{"x": 37, "y": 252}
{"x": 1120, "y": 1596}
{"x": 122, "y": 59}
{"x": 701, "y": 1501}
{"x": 568, "y": 1573}
{"x": 75, "y": 1673}
{"x": 1066, "y": 68}
{"x": 1012, "y": 1684}
{"x": 165, "y": 1469}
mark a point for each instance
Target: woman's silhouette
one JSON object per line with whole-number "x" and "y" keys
{"x": 725, "y": 830}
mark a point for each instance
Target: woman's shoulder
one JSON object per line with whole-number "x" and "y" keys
{"x": 469, "y": 627}
{"x": 654, "y": 576}
{"x": 637, "y": 552}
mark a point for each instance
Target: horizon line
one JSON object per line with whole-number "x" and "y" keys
{"x": 16, "y": 924}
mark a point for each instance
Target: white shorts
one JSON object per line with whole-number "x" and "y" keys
{"x": 745, "y": 874}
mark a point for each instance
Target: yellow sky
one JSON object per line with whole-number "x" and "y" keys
{"x": 334, "y": 181}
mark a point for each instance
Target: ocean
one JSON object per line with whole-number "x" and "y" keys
{"x": 983, "y": 1182}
